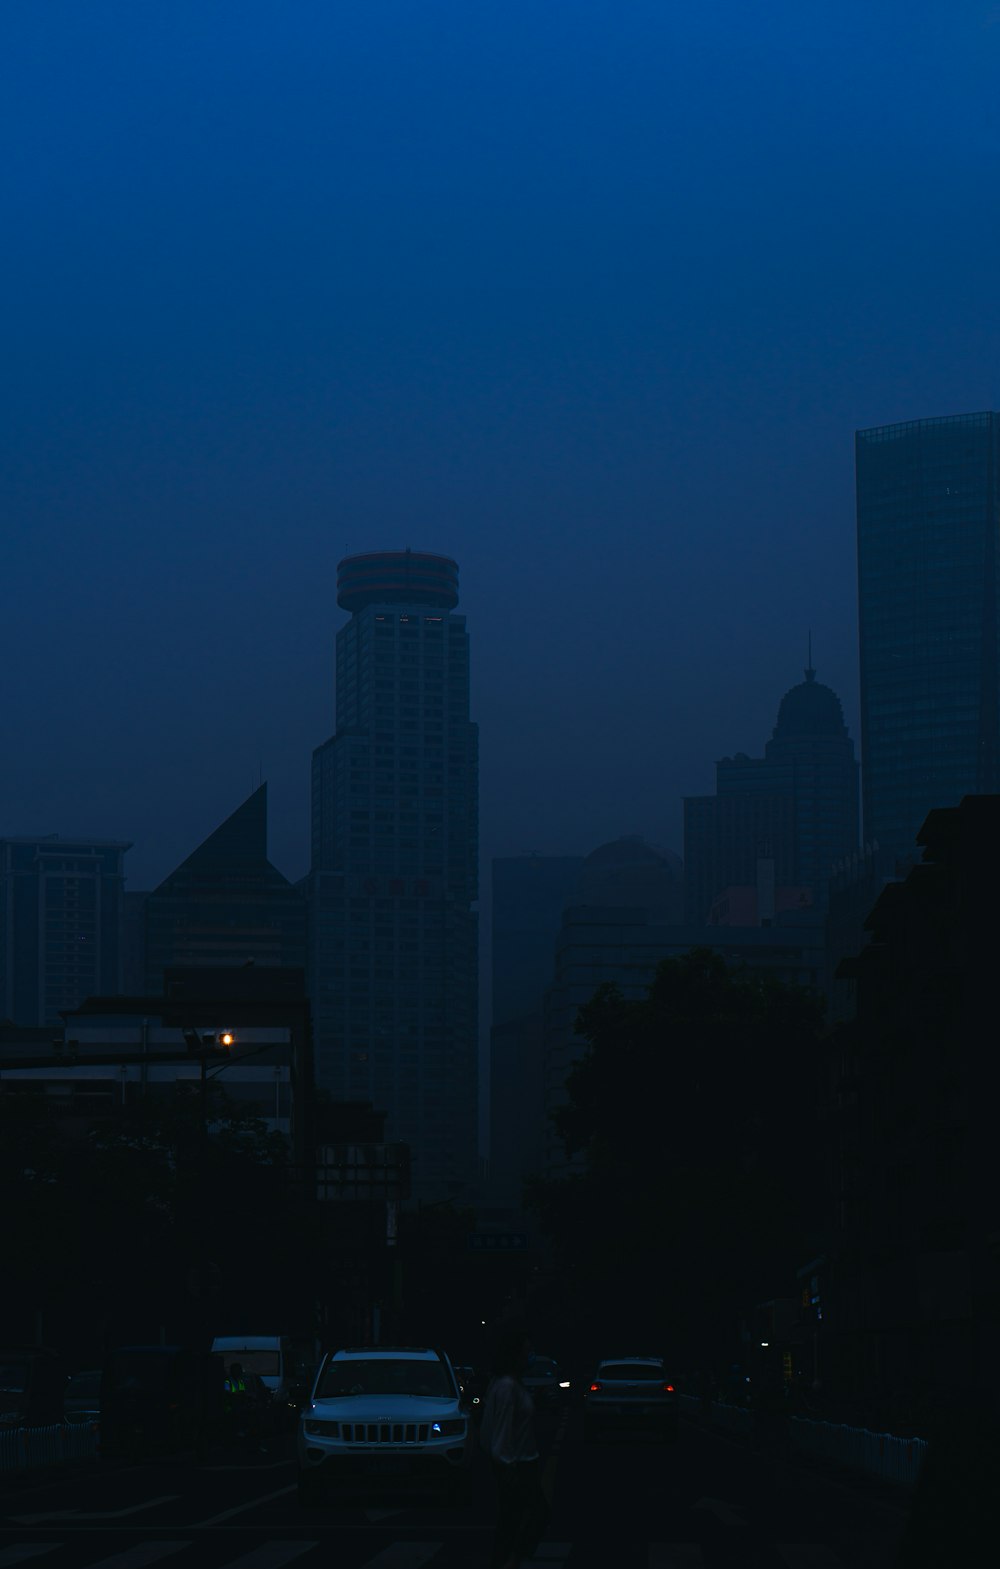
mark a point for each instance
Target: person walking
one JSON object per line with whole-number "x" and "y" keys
{"x": 507, "y": 1437}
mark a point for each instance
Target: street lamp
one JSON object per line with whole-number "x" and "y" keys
{"x": 202, "y": 1044}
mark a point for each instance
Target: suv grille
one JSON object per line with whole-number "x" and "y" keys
{"x": 384, "y": 1432}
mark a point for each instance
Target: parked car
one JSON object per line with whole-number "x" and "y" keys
{"x": 545, "y": 1382}
{"x": 630, "y": 1393}
{"x": 391, "y": 1416}
{"x": 82, "y": 1397}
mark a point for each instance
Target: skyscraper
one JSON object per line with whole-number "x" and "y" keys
{"x": 928, "y": 498}
{"x": 60, "y": 924}
{"x": 393, "y": 927}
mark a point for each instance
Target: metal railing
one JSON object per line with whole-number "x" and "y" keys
{"x": 880, "y": 1455}
{"x": 24, "y": 1448}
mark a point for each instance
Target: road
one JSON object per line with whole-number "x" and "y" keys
{"x": 704, "y": 1502}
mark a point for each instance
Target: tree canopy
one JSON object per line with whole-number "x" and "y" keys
{"x": 693, "y": 1118}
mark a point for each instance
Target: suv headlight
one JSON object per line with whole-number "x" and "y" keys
{"x": 327, "y": 1429}
{"x": 450, "y": 1428}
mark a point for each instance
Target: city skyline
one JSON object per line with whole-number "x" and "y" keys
{"x": 577, "y": 334}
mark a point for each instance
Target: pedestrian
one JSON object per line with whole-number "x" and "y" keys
{"x": 507, "y": 1436}
{"x": 237, "y": 1398}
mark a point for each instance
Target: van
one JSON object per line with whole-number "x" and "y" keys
{"x": 283, "y": 1365}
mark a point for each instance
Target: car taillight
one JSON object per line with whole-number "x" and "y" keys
{"x": 668, "y": 1389}
{"x": 595, "y": 1387}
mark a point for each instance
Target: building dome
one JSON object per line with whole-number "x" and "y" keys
{"x": 809, "y": 710}
{"x": 630, "y": 872}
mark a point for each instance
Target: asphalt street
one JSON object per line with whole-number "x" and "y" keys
{"x": 703, "y": 1502}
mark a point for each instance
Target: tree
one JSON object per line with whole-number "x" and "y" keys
{"x": 696, "y": 1113}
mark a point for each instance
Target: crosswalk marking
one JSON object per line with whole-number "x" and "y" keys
{"x": 403, "y": 1555}
{"x": 278, "y": 1553}
{"x": 272, "y": 1555}
{"x": 807, "y": 1555}
{"x": 253, "y": 1503}
{"x": 140, "y": 1555}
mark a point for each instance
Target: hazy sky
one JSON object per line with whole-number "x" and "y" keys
{"x": 590, "y": 294}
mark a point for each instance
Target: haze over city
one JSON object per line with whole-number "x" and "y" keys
{"x": 590, "y": 300}
{"x": 500, "y": 815}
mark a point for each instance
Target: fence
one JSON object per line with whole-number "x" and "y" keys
{"x": 24, "y": 1448}
{"x": 880, "y": 1455}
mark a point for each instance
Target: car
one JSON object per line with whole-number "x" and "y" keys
{"x": 82, "y": 1399}
{"x": 544, "y": 1382}
{"x": 391, "y": 1416}
{"x": 630, "y": 1393}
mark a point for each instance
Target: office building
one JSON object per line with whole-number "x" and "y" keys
{"x": 928, "y": 502}
{"x": 226, "y": 904}
{"x": 796, "y": 806}
{"x": 393, "y": 925}
{"x": 60, "y": 924}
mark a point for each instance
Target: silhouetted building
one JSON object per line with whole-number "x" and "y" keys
{"x": 111, "y": 1052}
{"x": 134, "y": 943}
{"x": 725, "y": 835}
{"x": 857, "y": 882}
{"x": 394, "y": 929}
{"x": 928, "y": 497}
{"x": 60, "y": 924}
{"x": 796, "y": 806}
{"x": 619, "y": 926}
{"x": 529, "y": 893}
{"x": 916, "y": 1263}
{"x": 760, "y": 904}
{"x": 616, "y": 926}
{"x": 226, "y": 904}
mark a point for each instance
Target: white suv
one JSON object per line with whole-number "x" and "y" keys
{"x": 388, "y": 1414}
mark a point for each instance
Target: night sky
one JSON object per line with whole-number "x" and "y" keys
{"x": 589, "y": 295}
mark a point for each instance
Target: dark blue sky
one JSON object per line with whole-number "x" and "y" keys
{"x": 590, "y": 295}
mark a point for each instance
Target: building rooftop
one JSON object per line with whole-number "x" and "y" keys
{"x": 397, "y": 577}
{"x": 809, "y": 709}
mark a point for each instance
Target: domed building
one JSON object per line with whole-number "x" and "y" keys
{"x": 797, "y": 806}
{"x": 629, "y": 872}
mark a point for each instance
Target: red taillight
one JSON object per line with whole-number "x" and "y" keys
{"x": 668, "y": 1389}
{"x": 595, "y": 1387}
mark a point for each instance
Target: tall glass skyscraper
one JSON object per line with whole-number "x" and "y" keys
{"x": 927, "y": 587}
{"x": 393, "y": 920}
